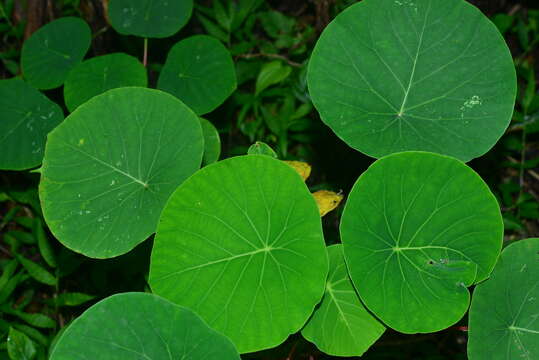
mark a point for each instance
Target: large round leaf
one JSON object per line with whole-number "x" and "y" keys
{"x": 435, "y": 75}
{"x": 26, "y": 116}
{"x": 199, "y": 71}
{"x": 504, "y": 316}
{"x": 149, "y": 18}
{"x": 341, "y": 325}
{"x": 417, "y": 229}
{"x": 111, "y": 166}
{"x": 240, "y": 243}
{"x": 212, "y": 142}
{"x": 53, "y": 50}
{"x": 101, "y": 73}
{"x": 133, "y": 326}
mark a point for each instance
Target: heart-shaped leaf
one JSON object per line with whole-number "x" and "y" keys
{"x": 27, "y": 116}
{"x": 395, "y": 75}
{"x": 240, "y": 242}
{"x": 132, "y": 326}
{"x": 149, "y": 18}
{"x": 101, "y": 73}
{"x": 417, "y": 229}
{"x": 200, "y": 72}
{"x": 504, "y": 317}
{"x": 53, "y": 50}
{"x": 341, "y": 326}
{"x": 111, "y": 166}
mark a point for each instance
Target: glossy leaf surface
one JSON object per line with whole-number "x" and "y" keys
{"x": 397, "y": 75}
{"x": 101, "y": 73}
{"x": 53, "y": 50}
{"x": 241, "y": 243}
{"x": 199, "y": 71}
{"x": 133, "y": 326}
{"x": 26, "y": 118}
{"x": 111, "y": 166}
{"x": 418, "y": 229}
{"x": 341, "y": 326}
{"x": 149, "y": 18}
{"x": 504, "y": 316}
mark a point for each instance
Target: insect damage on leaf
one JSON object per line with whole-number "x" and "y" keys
{"x": 327, "y": 200}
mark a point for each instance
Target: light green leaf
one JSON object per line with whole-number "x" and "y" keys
{"x": 19, "y": 346}
{"x": 101, "y": 73}
{"x": 111, "y": 166}
{"x": 212, "y": 142}
{"x": 241, "y": 243}
{"x": 53, "y": 50}
{"x": 45, "y": 248}
{"x": 149, "y": 18}
{"x": 396, "y": 75}
{"x": 341, "y": 326}
{"x": 271, "y": 73}
{"x": 27, "y": 116}
{"x": 199, "y": 71}
{"x": 260, "y": 148}
{"x": 141, "y": 326}
{"x": 417, "y": 229}
{"x": 504, "y": 314}
{"x": 71, "y": 299}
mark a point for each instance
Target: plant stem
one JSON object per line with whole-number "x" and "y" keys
{"x": 145, "y": 56}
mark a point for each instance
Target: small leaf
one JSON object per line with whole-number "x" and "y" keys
{"x": 212, "y": 29}
{"x": 19, "y": 346}
{"x": 70, "y": 299}
{"x": 212, "y": 142}
{"x": 260, "y": 148}
{"x": 37, "y": 271}
{"x": 271, "y": 73}
{"x": 43, "y": 243}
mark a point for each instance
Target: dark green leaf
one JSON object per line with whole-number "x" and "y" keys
{"x": 37, "y": 271}
{"x": 19, "y": 346}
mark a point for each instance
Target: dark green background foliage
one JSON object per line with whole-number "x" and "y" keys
{"x": 261, "y": 95}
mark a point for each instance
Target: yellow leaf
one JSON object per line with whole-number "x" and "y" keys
{"x": 327, "y": 200}
{"x": 303, "y": 169}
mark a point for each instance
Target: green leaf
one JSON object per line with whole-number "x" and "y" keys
{"x": 503, "y": 22}
{"x": 111, "y": 166}
{"x": 503, "y": 315}
{"x": 7, "y": 273}
{"x": 212, "y": 29}
{"x": 32, "y": 333}
{"x": 221, "y": 15}
{"x": 45, "y": 248}
{"x": 212, "y": 143}
{"x": 199, "y": 71}
{"x": 53, "y": 50}
{"x": 341, "y": 326}
{"x": 10, "y": 285}
{"x": 37, "y": 271}
{"x": 22, "y": 236}
{"x": 36, "y": 320}
{"x": 71, "y": 299}
{"x": 149, "y": 18}
{"x": 27, "y": 116}
{"x": 19, "y": 346}
{"x": 138, "y": 326}
{"x": 240, "y": 242}
{"x": 101, "y": 73}
{"x": 271, "y": 73}
{"x": 418, "y": 229}
{"x": 260, "y": 148}
{"x": 433, "y": 75}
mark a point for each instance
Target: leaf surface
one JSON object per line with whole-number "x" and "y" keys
{"x": 504, "y": 313}
{"x": 396, "y": 75}
{"x": 241, "y": 243}
{"x": 341, "y": 325}
{"x": 111, "y": 166}
{"x": 132, "y": 326}
{"x": 418, "y": 229}
{"x": 53, "y": 50}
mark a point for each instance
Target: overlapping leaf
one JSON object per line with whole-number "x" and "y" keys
{"x": 418, "y": 229}
{"x": 240, "y": 243}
